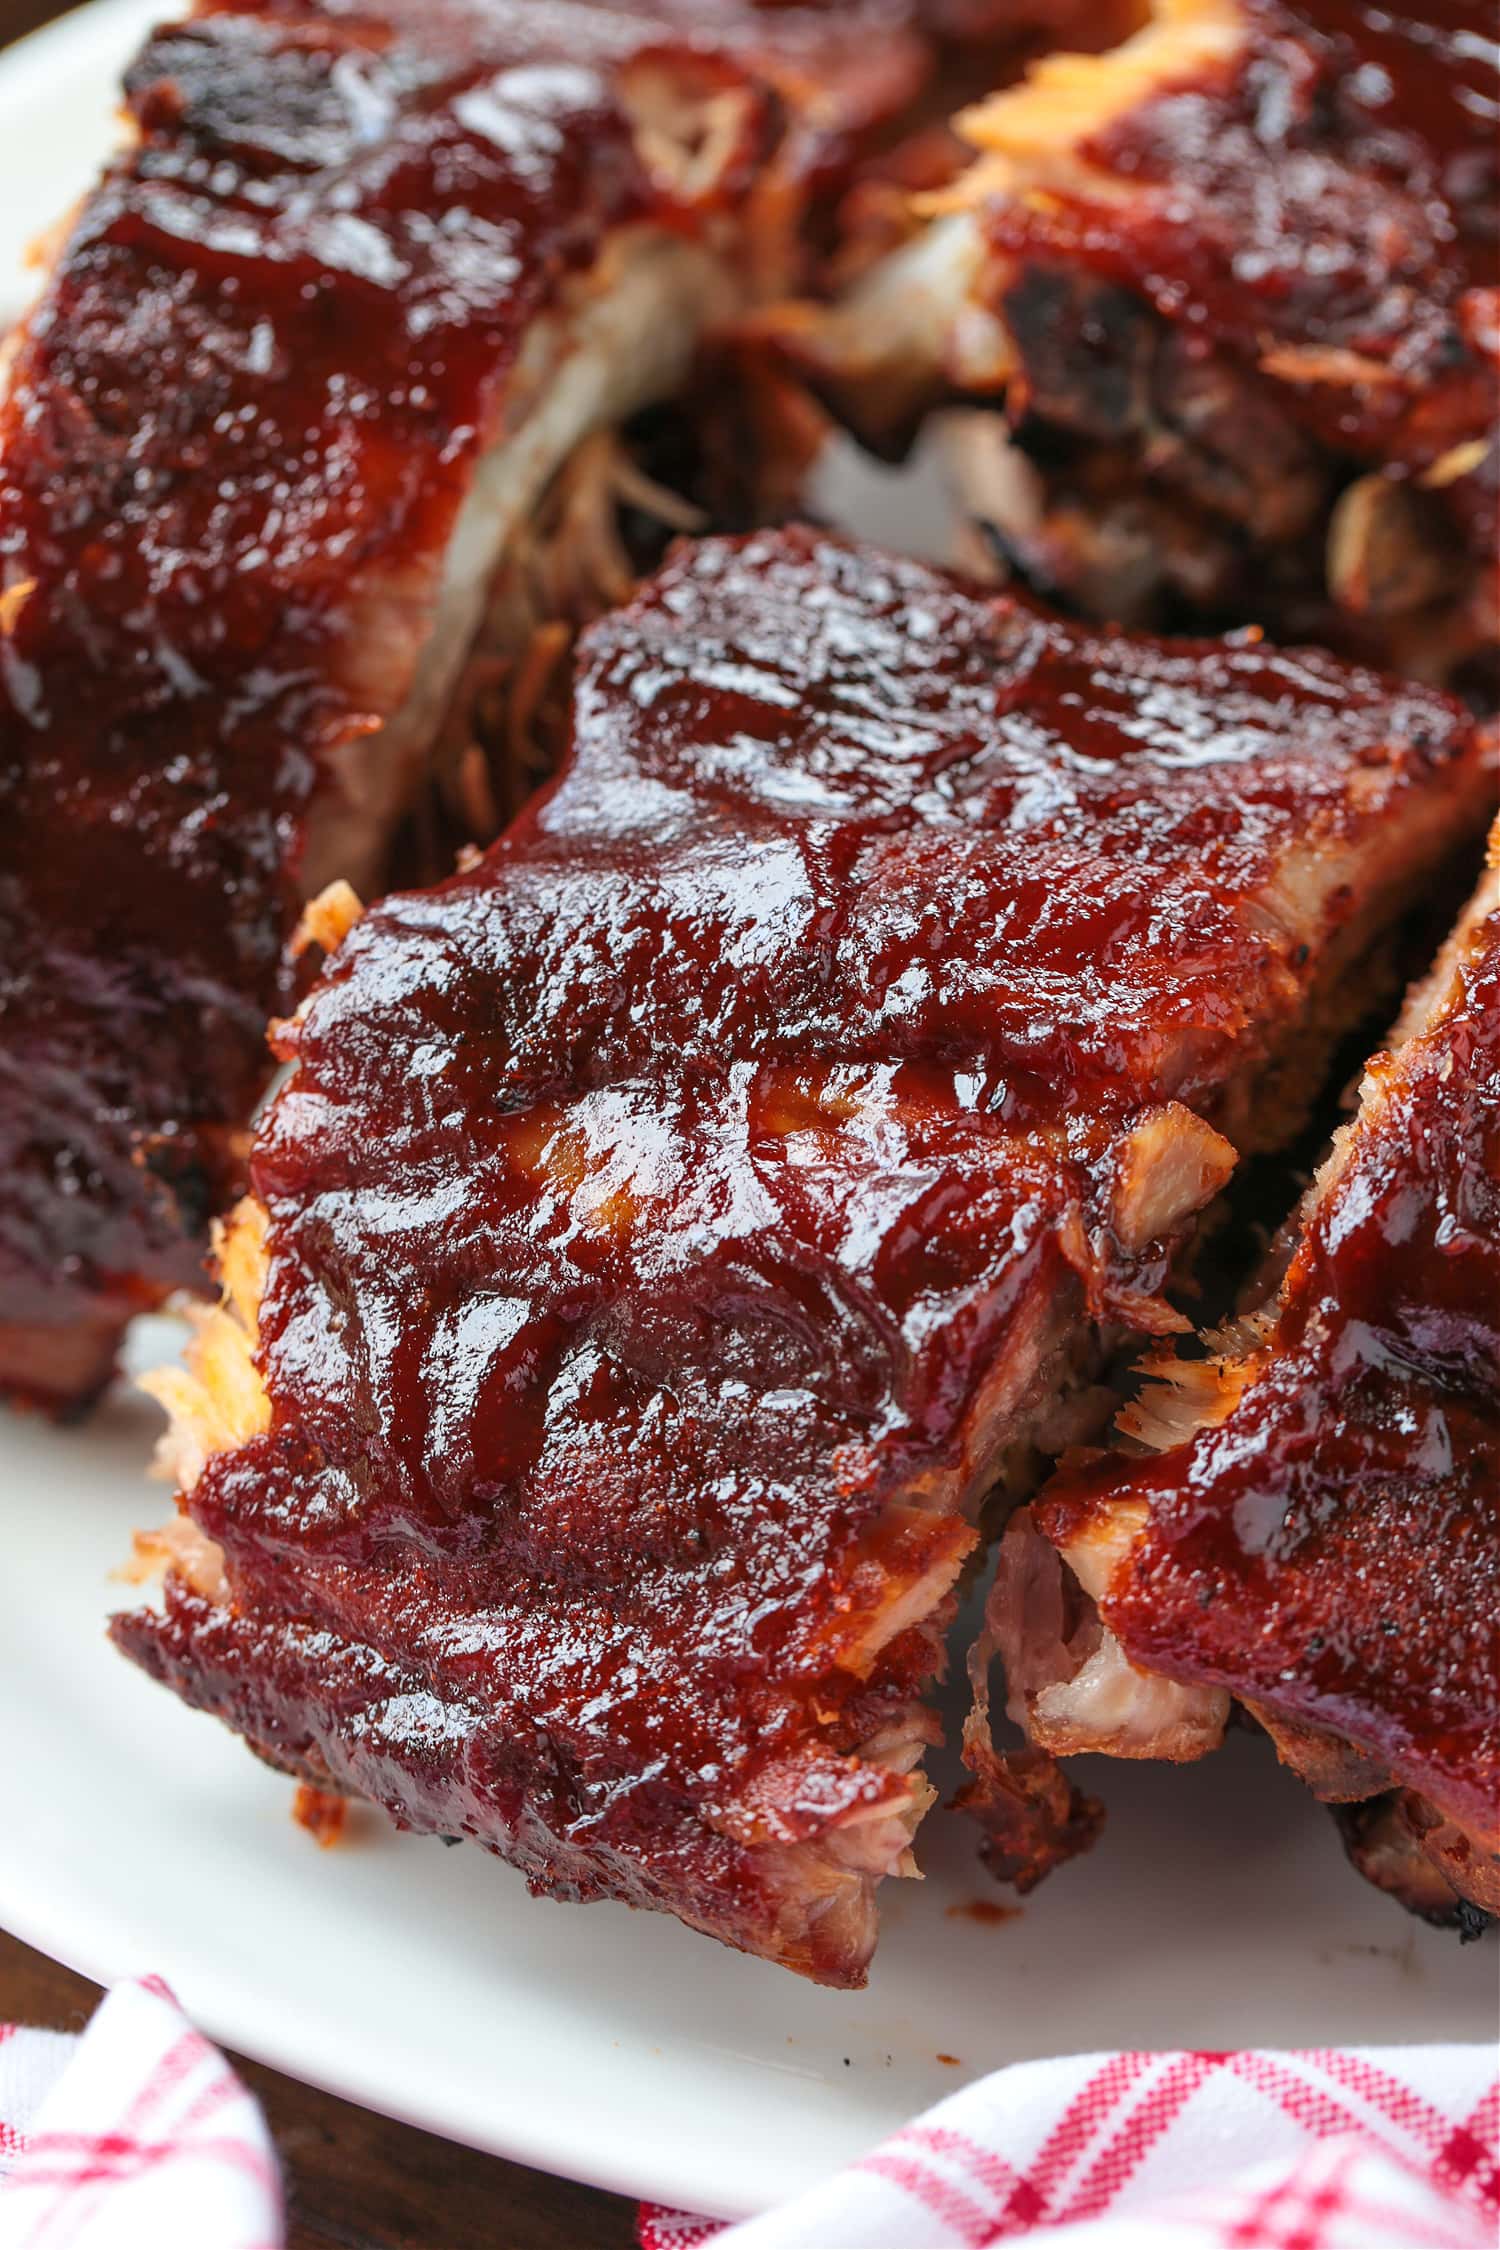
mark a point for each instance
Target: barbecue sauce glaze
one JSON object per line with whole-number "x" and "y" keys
{"x": 660, "y": 1209}
{"x": 1325, "y": 211}
{"x": 1333, "y": 1548}
{"x": 235, "y": 442}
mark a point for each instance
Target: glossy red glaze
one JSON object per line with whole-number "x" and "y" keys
{"x": 234, "y": 445}
{"x": 254, "y": 390}
{"x": 655, "y": 1207}
{"x": 1337, "y": 189}
{"x": 1332, "y": 1550}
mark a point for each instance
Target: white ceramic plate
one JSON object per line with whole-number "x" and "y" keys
{"x": 1218, "y": 1911}
{"x": 59, "y": 94}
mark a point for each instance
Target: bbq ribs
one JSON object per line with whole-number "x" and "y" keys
{"x": 274, "y": 448}
{"x": 1236, "y": 280}
{"x": 679, "y": 1227}
{"x": 1315, "y": 1531}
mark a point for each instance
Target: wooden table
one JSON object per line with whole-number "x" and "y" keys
{"x": 17, "y": 16}
{"x": 355, "y": 2180}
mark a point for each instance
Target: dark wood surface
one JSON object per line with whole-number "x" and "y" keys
{"x": 17, "y": 16}
{"x": 355, "y": 2181}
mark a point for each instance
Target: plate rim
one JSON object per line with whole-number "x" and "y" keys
{"x": 532, "y": 2147}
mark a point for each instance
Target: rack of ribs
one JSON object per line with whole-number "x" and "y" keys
{"x": 272, "y": 446}
{"x": 1234, "y": 282}
{"x": 683, "y": 1231}
{"x": 1312, "y": 1526}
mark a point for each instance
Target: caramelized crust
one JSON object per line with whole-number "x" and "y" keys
{"x": 677, "y": 1224}
{"x": 315, "y": 343}
{"x": 1326, "y": 1543}
{"x": 1237, "y": 278}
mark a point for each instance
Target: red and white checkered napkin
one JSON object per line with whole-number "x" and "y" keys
{"x": 1376, "y": 2148}
{"x": 138, "y": 2136}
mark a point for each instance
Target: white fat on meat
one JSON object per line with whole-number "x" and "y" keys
{"x": 1069, "y": 1685}
{"x": 627, "y": 339}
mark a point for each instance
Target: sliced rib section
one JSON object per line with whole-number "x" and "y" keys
{"x": 1316, "y": 1532}
{"x": 677, "y": 1228}
{"x": 1234, "y": 277}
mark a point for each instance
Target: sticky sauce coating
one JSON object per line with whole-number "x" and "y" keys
{"x": 1333, "y": 1548}
{"x": 1324, "y": 210}
{"x": 670, "y": 1217}
{"x": 234, "y": 446}
{"x": 251, "y": 398}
